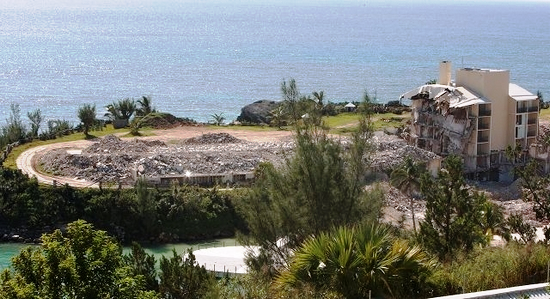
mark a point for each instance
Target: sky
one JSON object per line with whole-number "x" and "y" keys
{"x": 109, "y": 3}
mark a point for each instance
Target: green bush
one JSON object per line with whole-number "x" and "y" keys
{"x": 138, "y": 214}
{"x": 493, "y": 268}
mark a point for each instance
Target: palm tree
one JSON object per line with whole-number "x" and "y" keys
{"x": 319, "y": 97}
{"x": 407, "y": 179}
{"x": 217, "y": 119}
{"x": 123, "y": 109}
{"x": 87, "y": 114}
{"x": 355, "y": 262}
{"x": 145, "y": 106}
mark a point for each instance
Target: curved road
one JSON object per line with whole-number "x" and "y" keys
{"x": 27, "y": 161}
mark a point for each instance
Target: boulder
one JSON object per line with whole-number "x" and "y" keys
{"x": 257, "y": 112}
{"x": 120, "y": 123}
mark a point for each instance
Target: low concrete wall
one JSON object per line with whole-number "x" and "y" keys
{"x": 205, "y": 180}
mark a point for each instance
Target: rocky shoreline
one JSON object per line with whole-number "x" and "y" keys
{"x": 23, "y": 234}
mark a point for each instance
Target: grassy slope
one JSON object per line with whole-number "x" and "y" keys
{"x": 346, "y": 122}
{"x": 544, "y": 115}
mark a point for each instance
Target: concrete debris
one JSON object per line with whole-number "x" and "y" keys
{"x": 391, "y": 151}
{"x": 212, "y": 138}
{"x": 114, "y": 160}
{"x": 113, "y": 144}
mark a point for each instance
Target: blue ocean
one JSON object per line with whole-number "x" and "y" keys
{"x": 199, "y": 58}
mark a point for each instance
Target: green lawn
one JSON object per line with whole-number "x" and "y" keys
{"x": 347, "y": 122}
{"x": 544, "y": 114}
{"x": 341, "y": 120}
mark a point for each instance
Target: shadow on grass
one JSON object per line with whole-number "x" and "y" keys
{"x": 89, "y": 137}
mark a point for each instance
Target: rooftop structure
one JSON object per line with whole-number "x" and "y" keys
{"x": 477, "y": 117}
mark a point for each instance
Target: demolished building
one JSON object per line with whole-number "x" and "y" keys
{"x": 476, "y": 117}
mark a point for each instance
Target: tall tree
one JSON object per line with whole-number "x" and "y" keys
{"x": 542, "y": 104}
{"x": 534, "y": 182}
{"x": 35, "y": 118}
{"x": 143, "y": 265}
{"x": 146, "y": 206}
{"x": 407, "y": 179}
{"x": 454, "y": 218}
{"x": 14, "y": 130}
{"x": 291, "y": 97}
{"x": 87, "y": 116}
{"x": 358, "y": 261}
{"x": 319, "y": 187}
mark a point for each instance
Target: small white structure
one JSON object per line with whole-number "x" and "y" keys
{"x": 350, "y": 107}
{"x": 224, "y": 260}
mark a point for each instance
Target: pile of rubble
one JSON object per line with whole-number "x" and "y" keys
{"x": 114, "y": 160}
{"x": 119, "y": 161}
{"x": 97, "y": 168}
{"x": 113, "y": 144}
{"x": 390, "y": 151}
{"x": 212, "y": 138}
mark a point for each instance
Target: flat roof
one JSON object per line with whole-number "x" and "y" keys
{"x": 483, "y": 70}
{"x": 519, "y": 93}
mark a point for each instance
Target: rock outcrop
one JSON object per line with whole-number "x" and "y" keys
{"x": 257, "y": 112}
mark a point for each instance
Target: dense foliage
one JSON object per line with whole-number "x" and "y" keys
{"x": 86, "y": 263}
{"x": 141, "y": 213}
{"x": 87, "y": 116}
{"x": 456, "y": 217}
{"x": 358, "y": 262}
{"x": 492, "y": 268}
{"x": 321, "y": 186}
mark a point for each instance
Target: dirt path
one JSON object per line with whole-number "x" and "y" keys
{"x": 27, "y": 161}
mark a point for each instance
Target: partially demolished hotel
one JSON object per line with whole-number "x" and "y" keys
{"x": 477, "y": 116}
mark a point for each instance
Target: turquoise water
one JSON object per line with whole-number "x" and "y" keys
{"x": 199, "y": 58}
{"x": 9, "y": 250}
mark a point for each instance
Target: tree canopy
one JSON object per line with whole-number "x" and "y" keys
{"x": 79, "y": 263}
{"x": 87, "y": 115}
{"x": 455, "y": 217}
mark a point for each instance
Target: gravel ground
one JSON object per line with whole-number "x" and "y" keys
{"x": 113, "y": 160}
